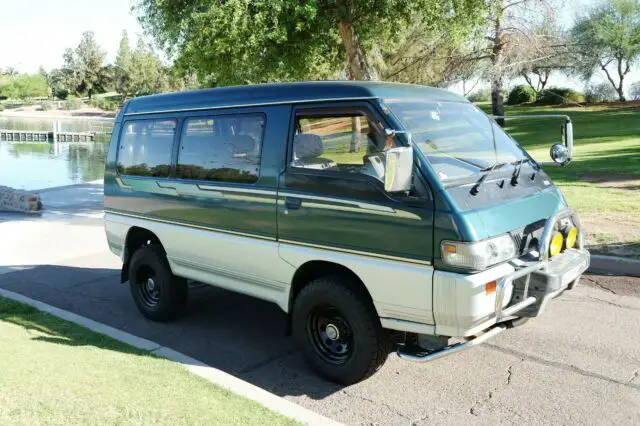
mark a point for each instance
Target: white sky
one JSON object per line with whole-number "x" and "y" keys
{"x": 36, "y": 32}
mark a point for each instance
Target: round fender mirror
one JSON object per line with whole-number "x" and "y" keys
{"x": 559, "y": 153}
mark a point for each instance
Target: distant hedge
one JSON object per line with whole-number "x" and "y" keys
{"x": 480, "y": 95}
{"x": 560, "y": 95}
{"x": 105, "y": 104}
{"x": 72, "y": 104}
{"x": 521, "y": 94}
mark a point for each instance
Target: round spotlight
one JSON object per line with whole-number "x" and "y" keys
{"x": 571, "y": 238}
{"x": 556, "y": 244}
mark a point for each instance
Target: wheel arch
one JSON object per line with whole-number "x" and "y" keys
{"x": 314, "y": 269}
{"x": 136, "y": 237}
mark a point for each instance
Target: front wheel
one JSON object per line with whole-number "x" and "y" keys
{"x": 339, "y": 331}
{"x": 158, "y": 294}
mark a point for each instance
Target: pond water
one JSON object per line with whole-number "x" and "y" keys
{"x": 45, "y": 165}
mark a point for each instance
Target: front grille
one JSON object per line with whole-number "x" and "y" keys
{"x": 528, "y": 237}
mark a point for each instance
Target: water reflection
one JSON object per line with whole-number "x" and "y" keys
{"x": 44, "y": 165}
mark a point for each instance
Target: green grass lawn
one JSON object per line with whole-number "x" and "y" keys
{"x": 55, "y": 372}
{"x": 603, "y": 181}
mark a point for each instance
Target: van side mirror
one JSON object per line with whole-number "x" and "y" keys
{"x": 398, "y": 169}
{"x": 561, "y": 152}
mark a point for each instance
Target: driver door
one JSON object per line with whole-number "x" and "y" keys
{"x": 331, "y": 194}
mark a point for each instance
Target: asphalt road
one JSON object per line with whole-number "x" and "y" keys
{"x": 579, "y": 363}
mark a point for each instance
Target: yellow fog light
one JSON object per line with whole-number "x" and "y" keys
{"x": 571, "y": 238}
{"x": 556, "y": 244}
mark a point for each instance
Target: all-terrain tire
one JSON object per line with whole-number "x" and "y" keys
{"x": 158, "y": 294}
{"x": 367, "y": 343}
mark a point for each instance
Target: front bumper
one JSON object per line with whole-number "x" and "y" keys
{"x": 525, "y": 292}
{"x": 535, "y": 284}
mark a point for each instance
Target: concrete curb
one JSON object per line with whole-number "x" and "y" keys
{"x": 213, "y": 375}
{"x": 614, "y": 265}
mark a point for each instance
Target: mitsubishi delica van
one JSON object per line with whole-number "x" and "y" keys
{"x": 370, "y": 213}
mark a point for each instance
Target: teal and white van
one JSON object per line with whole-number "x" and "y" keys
{"x": 369, "y": 212}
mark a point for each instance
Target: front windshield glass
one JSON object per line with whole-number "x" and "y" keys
{"x": 457, "y": 138}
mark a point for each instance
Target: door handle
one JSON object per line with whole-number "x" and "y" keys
{"x": 292, "y": 203}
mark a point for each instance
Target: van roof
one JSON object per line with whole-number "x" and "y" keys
{"x": 284, "y": 93}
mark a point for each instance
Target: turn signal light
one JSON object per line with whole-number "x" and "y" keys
{"x": 490, "y": 287}
{"x": 571, "y": 238}
{"x": 556, "y": 244}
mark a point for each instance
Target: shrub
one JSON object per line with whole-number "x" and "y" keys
{"x": 61, "y": 94}
{"x": 71, "y": 104}
{"x": 480, "y": 95}
{"x": 1, "y": 107}
{"x": 105, "y": 104}
{"x": 46, "y": 106}
{"x": 602, "y": 92}
{"x": 634, "y": 91}
{"x": 521, "y": 94}
{"x": 560, "y": 95}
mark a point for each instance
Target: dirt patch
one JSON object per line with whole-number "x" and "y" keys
{"x": 627, "y": 182}
{"x": 616, "y": 234}
{"x": 616, "y": 104}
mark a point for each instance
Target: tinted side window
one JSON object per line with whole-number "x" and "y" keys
{"x": 221, "y": 148}
{"x": 340, "y": 143}
{"x": 145, "y": 148}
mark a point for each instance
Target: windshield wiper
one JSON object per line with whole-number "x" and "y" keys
{"x": 487, "y": 171}
{"x": 518, "y": 166}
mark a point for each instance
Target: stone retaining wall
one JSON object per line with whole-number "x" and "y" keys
{"x": 15, "y": 200}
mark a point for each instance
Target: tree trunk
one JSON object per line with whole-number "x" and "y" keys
{"x": 497, "y": 105}
{"x": 621, "y": 74}
{"x": 359, "y": 69}
{"x": 356, "y": 132}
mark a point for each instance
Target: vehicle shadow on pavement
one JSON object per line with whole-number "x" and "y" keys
{"x": 238, "y": 334}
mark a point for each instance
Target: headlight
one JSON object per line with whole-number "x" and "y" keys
{"x": 478, "y": 255}
{"x": 572, "y": 236}
{"x": 555, "y": 247}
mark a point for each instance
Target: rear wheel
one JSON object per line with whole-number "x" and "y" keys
{"x": 158, "y": 294}
{"x": 339, "y": 331}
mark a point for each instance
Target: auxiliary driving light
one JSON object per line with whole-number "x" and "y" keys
{"x": 556, "y": 244}
{"x": 571, "y": 238}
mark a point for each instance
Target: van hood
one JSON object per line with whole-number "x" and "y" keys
{"x": 510, "y": 215}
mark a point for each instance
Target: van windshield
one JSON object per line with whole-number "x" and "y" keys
{"x": 457, "y": 138}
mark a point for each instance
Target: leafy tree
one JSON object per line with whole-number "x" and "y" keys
{"x": 88, "y": 65}
{"x": 510, "y": 48}
{"x": 24, "y": 86}
{"x": 147, "y": 74}
{"x": 608, "y": 40}
{"x": 124, "y": 67}
{"x": 602, "y": 92}
{"x": 544, "y": 49}
{"x": 58, "y": 82}
{"x": 435, "y": 53}
{"x": 240, "y": 41}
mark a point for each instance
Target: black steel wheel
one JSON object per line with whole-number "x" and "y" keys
{"x": 146, "y": 285}
{"x": 339, "y": 330}
{"x": 330, "y": 334}
{"x": 158, "y": 294}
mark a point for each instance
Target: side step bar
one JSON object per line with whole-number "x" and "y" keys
{"x": 451, "y": 349}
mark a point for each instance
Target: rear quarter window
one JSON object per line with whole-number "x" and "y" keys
{"x": 145, "y": 148}
{"x": 221, "y": 148}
